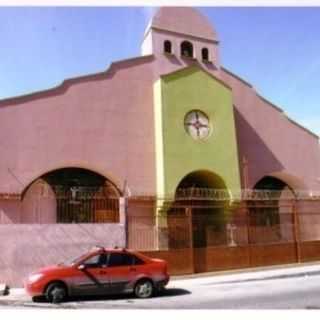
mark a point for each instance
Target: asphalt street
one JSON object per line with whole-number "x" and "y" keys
{"x": 292, "y": 288}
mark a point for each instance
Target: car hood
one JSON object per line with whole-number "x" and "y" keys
{"x": 50, "y": 268}
{"x": 159, "y": 260}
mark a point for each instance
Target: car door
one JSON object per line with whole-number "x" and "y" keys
{"x": 92, "y": 277}
{"x": 121, "y": 271}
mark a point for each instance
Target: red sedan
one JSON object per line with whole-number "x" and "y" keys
{"x": 99, "y": 272}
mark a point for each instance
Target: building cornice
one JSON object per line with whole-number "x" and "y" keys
{"x": 280, "y": 110}
{"x": 66, "y": 84}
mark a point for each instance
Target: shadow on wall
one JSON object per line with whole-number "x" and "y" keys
{"x": 173, "y": 59}
{"x": 261, "y": 160}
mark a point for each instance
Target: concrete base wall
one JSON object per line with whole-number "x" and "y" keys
{"x": 309, "y": 220}
{"x": 186, "y": 261}
{"x": 180, "y": 261}
{"x": 10, "y": 211}
{"x": 25, "y": 248}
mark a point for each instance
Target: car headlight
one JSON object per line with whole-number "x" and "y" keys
{"x": 35, "y": 277}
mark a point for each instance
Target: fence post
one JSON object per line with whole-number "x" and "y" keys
{"x": 189, "y": 217}
{"x": 296, "y": 231}
{"x": 190, "y": 230}
{"x": 247, "y": 219}
{"x": 123, "y": 218}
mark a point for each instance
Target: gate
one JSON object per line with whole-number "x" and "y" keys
{"x": 180, "y": 228}
{"x": 83, "y": 204}
{"x": 223, "y": 236}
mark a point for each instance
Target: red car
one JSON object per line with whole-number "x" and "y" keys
{"x": 100, "y": 272}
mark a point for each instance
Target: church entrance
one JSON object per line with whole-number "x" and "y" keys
{"x": 205, "y": 196}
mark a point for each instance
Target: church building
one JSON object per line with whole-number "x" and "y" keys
{"x": 172, "y": 123}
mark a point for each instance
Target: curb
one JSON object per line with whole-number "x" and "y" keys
{"x": 237, "y": 272}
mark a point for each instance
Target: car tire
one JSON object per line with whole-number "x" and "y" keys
{"x": 38, "y": 299}
{"x": 56, "y": 292}
{"x": 144, "y": 289}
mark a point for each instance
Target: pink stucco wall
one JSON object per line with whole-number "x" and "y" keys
{"x": 25, "y": 248}
{"x": 184, "y": 20}
{"x": 10, "y": 210}
{"x": 103, "y": 123}
{"x": 271, "y": 143}
{"x": 39, "y": 204}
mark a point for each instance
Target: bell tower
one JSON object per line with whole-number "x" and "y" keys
{"x": 182, "y": 33}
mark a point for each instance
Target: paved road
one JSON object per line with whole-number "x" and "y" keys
{"x": 266, "y": 290}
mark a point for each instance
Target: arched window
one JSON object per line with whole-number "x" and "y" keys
{"x": 205, "y": 54}
{"x": 167, "y": 47}
{"x": 186, "y": 49}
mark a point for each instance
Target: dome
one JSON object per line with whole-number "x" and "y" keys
{"x": 184, "y": 20}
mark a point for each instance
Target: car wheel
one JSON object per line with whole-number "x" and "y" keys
{"x": 56, "y": 292}
{"x": 38, "y": 299}
{"x": 144, "y": 289}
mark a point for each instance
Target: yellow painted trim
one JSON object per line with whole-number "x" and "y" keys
{"x": 157, "y": 104}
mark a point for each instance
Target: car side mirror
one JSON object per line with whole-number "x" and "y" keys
{"x": 81, "y": 267}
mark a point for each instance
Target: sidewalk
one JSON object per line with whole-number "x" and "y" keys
{"x": 254, "y": 274}
{"x": 216, "y": 278}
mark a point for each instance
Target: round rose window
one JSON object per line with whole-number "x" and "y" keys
{"x": 197, "y": 124}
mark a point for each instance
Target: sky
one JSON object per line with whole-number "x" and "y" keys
{"x": 276, "y": 49}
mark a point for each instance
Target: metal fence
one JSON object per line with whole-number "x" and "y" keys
{"x": 208, "y": 224}
{"x": 195, "y": 218}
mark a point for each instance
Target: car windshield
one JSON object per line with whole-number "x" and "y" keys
{"x": 76, "y": 260}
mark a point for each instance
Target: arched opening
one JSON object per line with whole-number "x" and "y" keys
{"x": 167, "y": 47}
{"x": 271, "y": 217}
{"x": 187, "y": 49}
{"x": 202, "y": 179}
{"x": 205, "y": 54}
{"x": 80, "y": 196}
{"x": 206, "y": 198}
{"x": 39, "y": 203}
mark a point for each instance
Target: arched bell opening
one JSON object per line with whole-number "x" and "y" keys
{"x": 205, "y": 54}
{"x": 167, "y": 47}
{"x": 186, "y": 49}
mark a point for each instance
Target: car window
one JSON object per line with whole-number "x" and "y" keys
{"x": 123, "y": 259}
{"x": 76, "y": 260}
{"x": 96, "y": 261}
{"x": 137, "y": 261}
{"x": 120, "y": 259}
